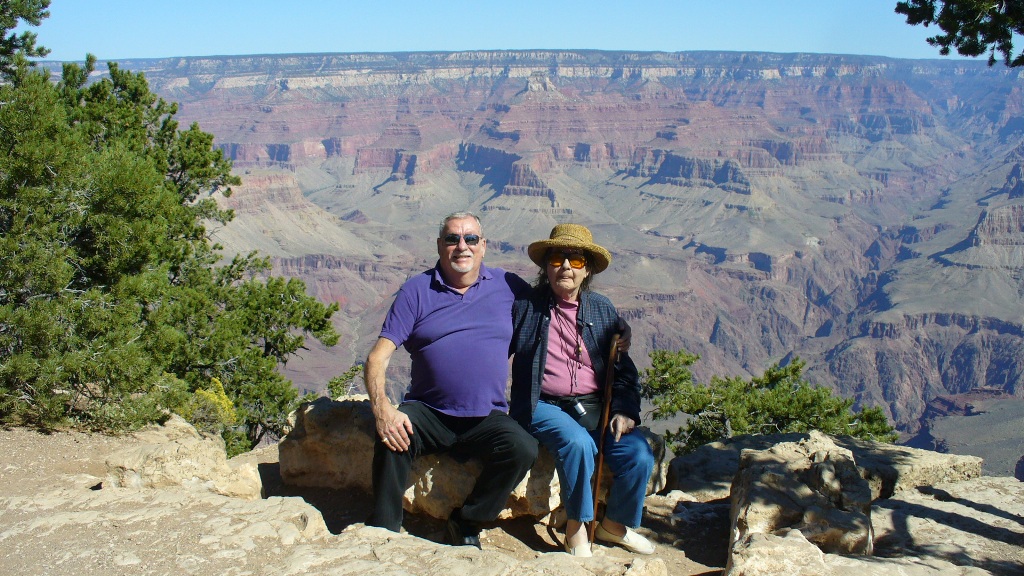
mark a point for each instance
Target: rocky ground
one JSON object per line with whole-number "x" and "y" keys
{"x": 57, "y": 518}
{"x": 61, "y": 515}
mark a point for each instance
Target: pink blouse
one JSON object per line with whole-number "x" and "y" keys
{"x": 568, "y": 370}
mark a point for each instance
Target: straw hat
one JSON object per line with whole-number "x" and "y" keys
{"x": 570, "y": 236}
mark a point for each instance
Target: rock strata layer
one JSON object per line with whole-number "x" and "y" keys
{"x": 865, "y": 214}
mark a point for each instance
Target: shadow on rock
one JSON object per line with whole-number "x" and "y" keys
{"x": 701, "y": 530}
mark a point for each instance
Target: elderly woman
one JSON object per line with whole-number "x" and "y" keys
{"x": 562, "y": 340}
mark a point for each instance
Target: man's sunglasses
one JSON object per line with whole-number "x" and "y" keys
{"x": 453, "y": 239}
{"x": 577, "y": 261}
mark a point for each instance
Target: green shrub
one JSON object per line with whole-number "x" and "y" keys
{"x": 344, "y": 384}
{"x": 778, "y": 401}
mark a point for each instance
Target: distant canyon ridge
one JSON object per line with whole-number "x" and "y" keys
{"x": 864, "y": 214}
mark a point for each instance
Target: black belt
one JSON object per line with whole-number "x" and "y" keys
{"x": 559, "y": 400}
{"x": 584, "y": 409}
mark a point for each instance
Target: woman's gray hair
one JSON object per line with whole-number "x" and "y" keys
{"x": 458, "y": 216}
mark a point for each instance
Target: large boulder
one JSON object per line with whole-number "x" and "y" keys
{"x": 331, "y": 446}
{"x": 175, "y": 454}
{"x": 891, "y": 469}
{"x": 707, "y": 473}
{"x": 812, "y": 486}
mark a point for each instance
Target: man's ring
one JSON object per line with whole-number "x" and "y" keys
{"x": 387, "y": 440}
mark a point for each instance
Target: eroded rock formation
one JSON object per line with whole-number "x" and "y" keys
{"x": 708, "y": 472}
{"x": 813, "y": 486}
{"x": 175, "y": 454}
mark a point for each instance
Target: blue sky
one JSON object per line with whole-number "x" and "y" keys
{"x": 119, "y": 29}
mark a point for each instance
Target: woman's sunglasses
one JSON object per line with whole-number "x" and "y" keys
{"x": 453, "y": 239}
{"x": 576, "y": 261}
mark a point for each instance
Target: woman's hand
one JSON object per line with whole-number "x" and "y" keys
{"x": 625, "y": 335}
{"x": 621, "y": 425}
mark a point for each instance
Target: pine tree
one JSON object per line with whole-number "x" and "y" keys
{"x": 18, "y": 47}
{"x": 114, "y": 307}
{"x": 778, "y": 401}
{"x": 972, "y": 27}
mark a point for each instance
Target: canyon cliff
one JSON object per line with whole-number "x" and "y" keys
{"x": 862, "y": 213}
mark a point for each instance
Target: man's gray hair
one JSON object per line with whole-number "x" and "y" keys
{"x": 458, "y": 216}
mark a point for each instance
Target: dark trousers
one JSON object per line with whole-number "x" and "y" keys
{"x": 507, "y": 452}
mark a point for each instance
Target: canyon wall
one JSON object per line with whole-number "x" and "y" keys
{"x": 864, "y": 214}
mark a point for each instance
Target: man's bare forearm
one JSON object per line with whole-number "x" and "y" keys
{"x": 376, "y": 388}
{"x": 374, "y": 375}
{"x": 394, "y": 428}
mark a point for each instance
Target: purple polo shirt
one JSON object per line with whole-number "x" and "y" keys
{"x": 458, "y": 342}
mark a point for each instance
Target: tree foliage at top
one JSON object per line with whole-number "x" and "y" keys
{"x": 20, "y": 46}
{"x": 778, "y": 401}
{"x": 114, "y": 308}
{"x": 972, "y": 27}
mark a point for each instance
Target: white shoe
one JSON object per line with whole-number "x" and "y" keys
{"x": 581, "y": 551}
{"x": 631, "y": 541}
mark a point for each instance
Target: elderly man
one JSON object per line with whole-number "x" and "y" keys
{"x": 455, "y": 320}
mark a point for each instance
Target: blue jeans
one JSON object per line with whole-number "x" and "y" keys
{"x": 575, "y": 449}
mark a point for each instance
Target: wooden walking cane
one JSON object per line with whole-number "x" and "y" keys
{"x": 606, "y": 406}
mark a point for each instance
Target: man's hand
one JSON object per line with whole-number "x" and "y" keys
{"x": 621, "y": 425}
{"x": 394, "y": 428}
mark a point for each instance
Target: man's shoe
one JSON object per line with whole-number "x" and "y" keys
{"x": 631, "y": 541}
{"x": 459, "y": 532}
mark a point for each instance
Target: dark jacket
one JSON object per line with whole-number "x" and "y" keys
{"x": 598, "y": 321}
